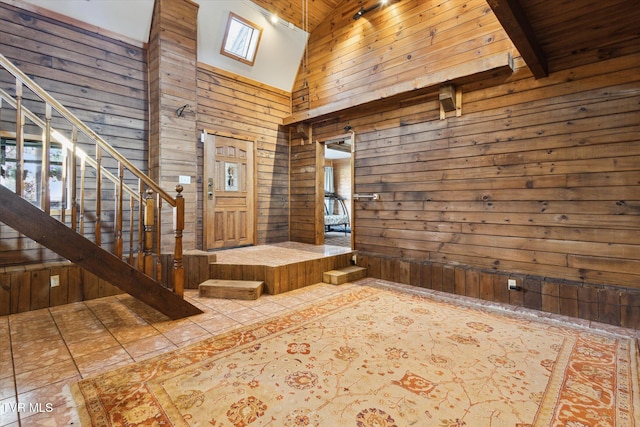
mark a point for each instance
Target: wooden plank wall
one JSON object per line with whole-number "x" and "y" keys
{"x": 235, "y": 105}
{"x": 538, "y": 179}
{"x": 173, "y": 138}
{"x": 303, "y": 192}
{"x": 103, "y": 81}
{"x": 349, "y": 58}
{"x": 26, "y": 288}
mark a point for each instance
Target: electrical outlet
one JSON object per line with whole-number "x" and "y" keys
{"x": 354, "y": 259}
{"x": 512, "y": 285}
{"x": 54, "y": 281}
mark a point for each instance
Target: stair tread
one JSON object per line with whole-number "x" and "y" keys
{"x": 343, "y": 275}
{"x": 231, "y": 289}
{"x": 346, "y": 270}
{"x": 232, "y": 283}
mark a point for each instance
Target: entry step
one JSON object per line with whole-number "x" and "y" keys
{"x": 344, "y": 275}
{"x": 231, "y": 289}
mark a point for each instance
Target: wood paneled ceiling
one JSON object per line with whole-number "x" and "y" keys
{"x": 557, "y": 35}
{"x": 294, "y": 10}
{"x": 550, "y": 35}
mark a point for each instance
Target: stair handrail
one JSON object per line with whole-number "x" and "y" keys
{"x": 27, "y": 81}
{"x": 62, "y": 140}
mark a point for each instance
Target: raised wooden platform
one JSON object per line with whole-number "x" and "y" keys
{"x": 282, "y": 267}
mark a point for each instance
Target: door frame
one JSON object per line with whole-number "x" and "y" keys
{"x": 254, "y": 142}
{"x": 320, "y": 176}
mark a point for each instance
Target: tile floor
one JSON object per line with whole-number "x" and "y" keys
{"x": 337, "y": 238}
{"x": 45, "y": 351}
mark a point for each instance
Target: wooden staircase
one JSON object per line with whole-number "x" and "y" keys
{"x": 93, "y": 172}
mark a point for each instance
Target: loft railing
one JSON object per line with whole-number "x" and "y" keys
{"x": 99, "y": 189}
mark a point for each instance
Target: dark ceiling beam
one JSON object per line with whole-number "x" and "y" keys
{"x": 517, "y": 26}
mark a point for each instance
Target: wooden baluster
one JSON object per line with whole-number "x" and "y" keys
{"x": 83, "y": 173}
{"x": 45, "y": 194}
{"x": 132, "y": 210}
{"x": 19, "y": 141}
{"x": 74, "y": 177}
{"x": 64, "y": 183}
{"x": 149, "y": 222}
{"x": 98, "y": 231}
{"x": 118, "y": 210}
{"x": 141, "y": 227}
{"x": 158, "y": 276}
{"x": 178, "y": 226}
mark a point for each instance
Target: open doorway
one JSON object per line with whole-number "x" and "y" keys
{"x": 338, "y": 200}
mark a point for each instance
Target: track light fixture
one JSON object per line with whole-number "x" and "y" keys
{"x": 362, "y": 10}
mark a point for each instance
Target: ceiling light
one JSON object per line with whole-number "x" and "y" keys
{"x": 362, "y": 10}
{"x": 274, "y": 19}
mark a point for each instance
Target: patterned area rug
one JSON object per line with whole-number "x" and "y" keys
{"x": 377, "y": 357}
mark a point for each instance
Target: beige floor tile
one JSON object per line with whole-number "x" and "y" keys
{"x": 129, "y": 334}
{"x": 7, "y": 387}
{"x": 247, "y": 316}
{"x": 155, "y": 353}
{"x": 139, "y": 348}
{"x": 33, "y": 332}
{"x": 168, "y": 325}
{"x": 222, "y": 305}
{"x": 218, "y": 323}
{"x": 269, "y": 308}
{"x": 186, "y": 333}
{"x": 6, "y": 364}
{"x": 8, "y": 411}
{"x": 92, "y": 345}
{"x": 98, "y": 360}
{"x": 31, "y": 380}
{"x": 41, "y": 356}
{"x": 47, "y": 397}
{"x": 80, "y": 333}
{"x": 106, "y": 368}
{"x": 63, "y": 415}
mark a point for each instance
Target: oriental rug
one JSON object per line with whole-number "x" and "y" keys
{"x": 379, "y": 357}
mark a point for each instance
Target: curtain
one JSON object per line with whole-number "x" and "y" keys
{"x": 328, "y": 187}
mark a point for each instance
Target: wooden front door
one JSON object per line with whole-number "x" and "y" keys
{"x": 229, "y": 192}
